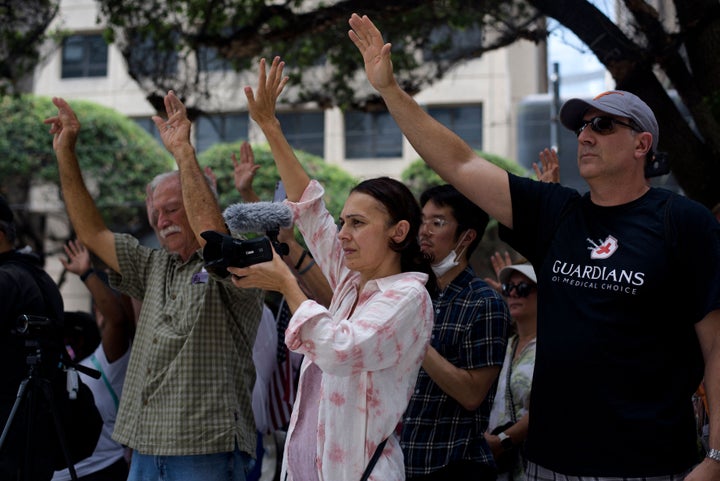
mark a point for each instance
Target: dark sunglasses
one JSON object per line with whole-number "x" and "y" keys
{"x": 522, "y": 289}
{"x": 603, "y": 125}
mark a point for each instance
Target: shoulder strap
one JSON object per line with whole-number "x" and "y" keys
{"x": 509, "y": 401}
{"x": 109, "y": 387}
{"x": 373, "y": 460}
{"x": 670, "y": 230}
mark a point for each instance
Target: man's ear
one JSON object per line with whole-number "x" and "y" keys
{"x": 400, "y": 231}
{"x": 643, "y": 144}
{"x": 469, "y": 237}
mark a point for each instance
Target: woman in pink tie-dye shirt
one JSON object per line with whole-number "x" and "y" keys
{"x": 363, "y": 353}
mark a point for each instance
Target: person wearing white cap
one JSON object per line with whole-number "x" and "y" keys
{"x": 621, "y": 343}
{"x": 508, "y": 426}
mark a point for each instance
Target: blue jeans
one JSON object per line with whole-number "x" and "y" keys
{"x": 230, "y": 466}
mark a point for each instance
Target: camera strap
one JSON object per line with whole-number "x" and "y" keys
{"x": 97, "y": 365}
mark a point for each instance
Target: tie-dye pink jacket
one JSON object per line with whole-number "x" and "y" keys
{"x": 369, "y": 360}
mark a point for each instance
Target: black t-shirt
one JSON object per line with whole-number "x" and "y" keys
{"x": 619, "y": 292}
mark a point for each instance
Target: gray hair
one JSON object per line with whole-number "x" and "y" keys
{"x": 160, "y": 178}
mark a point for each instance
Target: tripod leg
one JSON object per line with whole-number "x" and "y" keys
{"x": 13, "y": 411}
{"x": 47, "y": 391}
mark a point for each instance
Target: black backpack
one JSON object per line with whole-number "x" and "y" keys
{"x": 79, "y": 419}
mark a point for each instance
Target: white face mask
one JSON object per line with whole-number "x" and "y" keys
{"x": 451, "y": 260}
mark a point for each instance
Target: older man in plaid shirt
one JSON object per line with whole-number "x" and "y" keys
{"x": 186, "y": 406}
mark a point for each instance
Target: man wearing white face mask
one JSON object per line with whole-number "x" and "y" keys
{"x": 449, "y": 410}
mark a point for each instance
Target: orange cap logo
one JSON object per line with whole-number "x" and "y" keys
{"x": 609, "y": 92}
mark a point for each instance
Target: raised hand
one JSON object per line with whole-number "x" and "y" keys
{"x": 64, "y": 126}
{"x": 376, "y": 53}
{"x": 78, "y": 258}
{"x": 549, "y": 170}
{"x": 261, "y": 103}
{"x": 498, "y": 261}
{"x": 175, "y": 131}
{"x": 244, "y": 172}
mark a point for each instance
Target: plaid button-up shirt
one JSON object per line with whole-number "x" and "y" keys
{"x": 191, "y": 374}
{"x": 470, "y": 331}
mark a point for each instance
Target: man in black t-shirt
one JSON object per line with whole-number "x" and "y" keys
{"x": 628, "y": 288}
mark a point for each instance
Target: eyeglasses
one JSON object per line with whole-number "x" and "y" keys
{"x": 434, "y": 224}
{"x": 523, "y": 289}
{"x": 603, "y": 125}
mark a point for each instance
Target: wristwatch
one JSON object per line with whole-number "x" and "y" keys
{"x": 714, "y": 454}
{"x": 506, "y": 442}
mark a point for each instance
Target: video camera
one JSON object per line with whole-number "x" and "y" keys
{"x": 52, "y": 395}
{"x": 45, "y": 342}
{"x": 222, "y": 251}
{"x": 38, "y": 327}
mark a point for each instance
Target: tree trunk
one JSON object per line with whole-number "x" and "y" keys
{"x": 694, "y": 162}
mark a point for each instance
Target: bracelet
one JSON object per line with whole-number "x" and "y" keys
{"x": 713, "y": 454}
{"x": 86, "y": 274}
{"x": 302, "y": 258}
{"x": 307, "y": 267}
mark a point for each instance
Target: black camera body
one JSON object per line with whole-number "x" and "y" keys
{"x": 222, "y": 251}
{"x": 44, "y": 342}
{"x": 38, "y": 327}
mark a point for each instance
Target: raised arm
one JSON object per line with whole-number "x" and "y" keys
{"x": 446, "y": 153}
{"x": 244, "y": 173}
{"x": 309, "y": 276}
{"x": 201, "y": 206}
{"x": 117, "y": 327}
{"x": 261, "y": 105}
{"x": 82, "y": 211}
{"x": 275, "y": 275}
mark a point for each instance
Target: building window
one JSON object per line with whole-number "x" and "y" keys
{"x": 210, "y": 60}
{"x": 212, "y": 129}
{"x": 464, "y": 120}
{"x": 84, "y": 56}
{"x": 149, "y": 126}
{"x": 145, "y": 58}
{"x": 371, "y": 135}
{"x": 305, "y": 131}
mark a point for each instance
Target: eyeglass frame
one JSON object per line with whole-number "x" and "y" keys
{"x": 593, "y": 123}
{"x": 437, "y": 223}
{"x": 522, "y": 289}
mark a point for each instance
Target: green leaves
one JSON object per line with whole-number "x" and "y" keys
{"x": 336, "y": 181}
{"x": 307, "y": 37}
{"x": 116, "y": 155}
{"x": 418, "y": 176}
